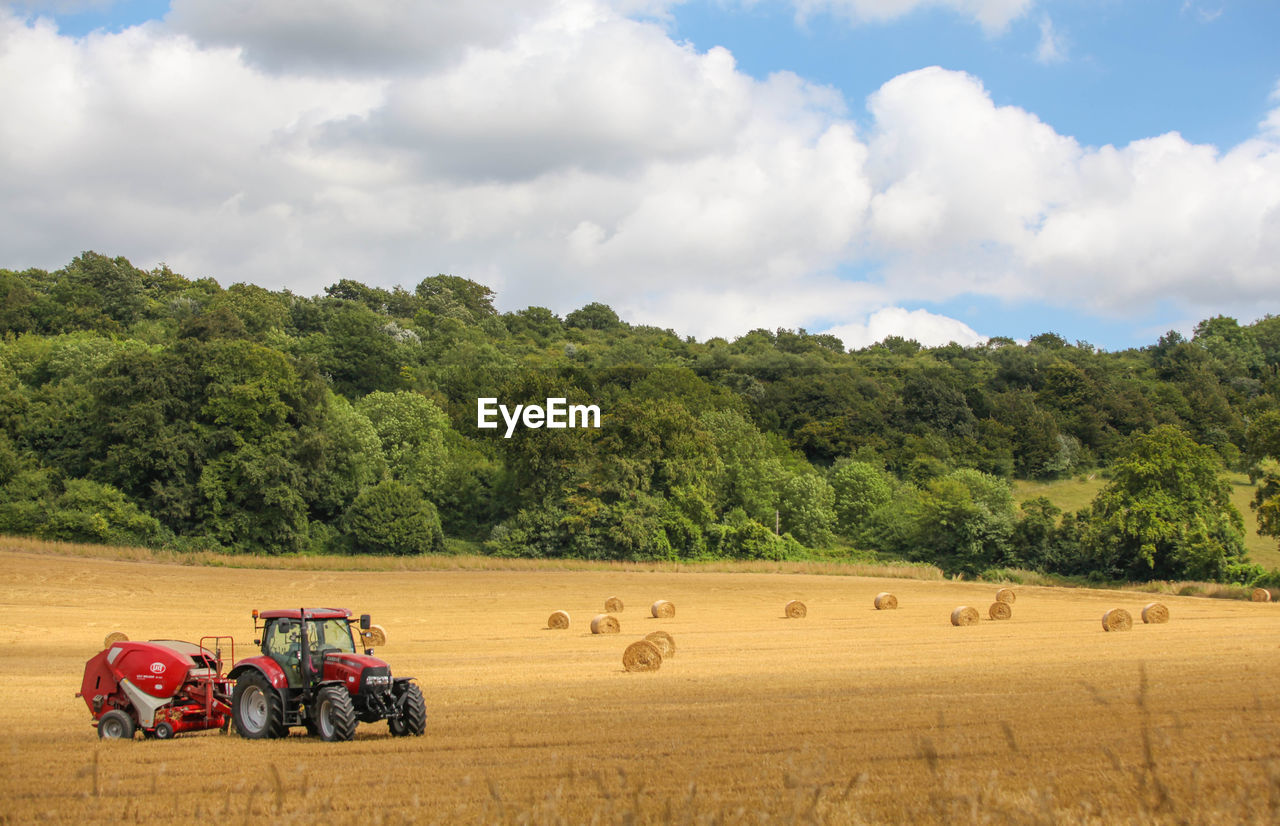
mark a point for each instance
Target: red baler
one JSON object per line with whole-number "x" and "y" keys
{"x": 161, "y": 687}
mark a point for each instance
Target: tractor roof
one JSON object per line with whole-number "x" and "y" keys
{"x": 312, "y": 613}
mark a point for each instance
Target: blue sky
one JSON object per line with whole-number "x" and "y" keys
{"x": 1103, "y": 169}
{"x": 1126, "y": 71}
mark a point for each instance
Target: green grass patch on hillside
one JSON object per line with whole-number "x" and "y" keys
{"x": 1261, "y": 549}
{"x": 1069, "y": 494}
{"x": 1076, "y": 493}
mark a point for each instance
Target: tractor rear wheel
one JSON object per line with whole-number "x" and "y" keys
{"x": 116, "y": 725}
{"x": 413, "y": 717}
{"x": 256, "y": 708}
{"x": 334, "y": 714}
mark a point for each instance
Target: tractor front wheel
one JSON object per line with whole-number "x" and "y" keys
{"x": 334, "y": 714}
{"x": 256, "y": 708}
{"x": 413, "y": 714}
{"x": 116, "y": 725}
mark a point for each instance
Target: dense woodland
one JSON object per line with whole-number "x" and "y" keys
{"x": 150, "y": 408}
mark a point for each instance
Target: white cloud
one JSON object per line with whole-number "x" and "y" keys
{"x": 972, "y": 197}
{"x": 993, "y": 15}
{"x": 585, "y": 156}
{"x": 929, "y": 329}
{"x": 1053, "y": 44}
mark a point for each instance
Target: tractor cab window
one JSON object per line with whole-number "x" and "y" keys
{"x": 330, "y": 635}
{"x": 283, "y": 637}
{"x": 282, "y": 642}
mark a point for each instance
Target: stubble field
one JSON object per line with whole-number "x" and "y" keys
{"x": 849, "y": 715}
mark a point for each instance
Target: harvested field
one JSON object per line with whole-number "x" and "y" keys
{"x": 856, "y": 716}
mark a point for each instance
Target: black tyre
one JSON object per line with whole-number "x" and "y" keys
{"x": 334, "y": 715}
{"x": 256, "y": 708}
{"x": 413, "y": 717}
{"x": 116, "y": 725}
{"x": 164, "y": 731}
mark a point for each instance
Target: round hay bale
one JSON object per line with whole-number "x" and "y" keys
{"x": 374, "y": 636}
{"x": 663, "y": 609}
{"x": 999, "y": 610}
{"x": 1006, "y": 595}
{"x": 642, "y": 655}
{"x": 1117, "y": 619}
{"x": 1260, "y": 595}
{"x": 666, "y": 645}
{"x": 115, "y": 637}
{"x": 559, "y": 620}
{"x": 605, "y": 624}
{"x": 886, "y": 601}
{"x": 613, "y": 605}
{"x": 795, "y": 609}
{"x": 964, "y": 615}
{"x": 1155, "y": 613}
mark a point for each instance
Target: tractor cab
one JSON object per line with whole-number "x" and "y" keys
{"x": 282, "y": 641}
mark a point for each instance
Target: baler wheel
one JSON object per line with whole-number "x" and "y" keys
{"x": 335, "y": 714}
{"x": 116, "y": 725}
{"x": 414, "y": 720}
{"x": 256, "y": 708}
{"x": 164, "y": 731}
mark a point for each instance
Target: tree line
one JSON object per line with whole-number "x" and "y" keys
{"x": 150, "y": 408}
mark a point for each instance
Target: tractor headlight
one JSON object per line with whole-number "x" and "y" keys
{"x": 375, "y": 680}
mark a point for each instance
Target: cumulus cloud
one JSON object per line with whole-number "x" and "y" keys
{"x": 583, "y": 155}
{"x": 972, "y": 197}
{"x": 929, "y": 329}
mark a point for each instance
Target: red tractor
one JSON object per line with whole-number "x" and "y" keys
{"x": 310, "y": 674}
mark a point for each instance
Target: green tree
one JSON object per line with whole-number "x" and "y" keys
{"x": 860, "y": 488}
{"x": 751, "y": 469}
{"x": 1166, "y": 513}
{"x": 89, "y": 511}
{"x": 448, "y": 296}
{"x": 1262, "y": 439}
{"x": 412, "y": 431}
{"x": 1266, "y": 499}
{"x": 807, "y": 509}
{"x": 965, "y": 522}
{"x": 393, "y": 518}
{"x": 345, "y": 454}
{"x": 594, "y": 316}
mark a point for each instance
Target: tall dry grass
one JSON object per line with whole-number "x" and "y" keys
{"x": 463, "y": 562}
